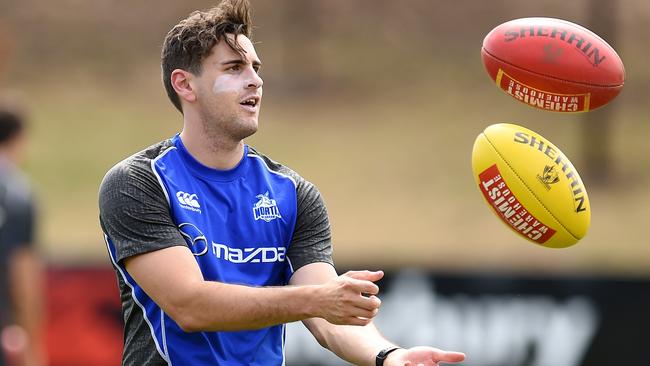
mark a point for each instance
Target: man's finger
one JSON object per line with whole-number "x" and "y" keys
{"x": 363, "y": 313}
{"x": 364, "y": 287}
{"x": 353, "y": 320}
{"x": 450, "y": 357}
{"x": 368, "y": 303}
{"x": 365, "y": 275}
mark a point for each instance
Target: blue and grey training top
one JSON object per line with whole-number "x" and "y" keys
{"x": 254, "y": 225}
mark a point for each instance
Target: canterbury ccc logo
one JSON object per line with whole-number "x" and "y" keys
{"x": 188, "y": 199}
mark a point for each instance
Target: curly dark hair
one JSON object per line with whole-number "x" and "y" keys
{"x": 191, "y": 41}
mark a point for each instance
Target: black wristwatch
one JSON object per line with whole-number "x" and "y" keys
{"x": 381, "y": 356}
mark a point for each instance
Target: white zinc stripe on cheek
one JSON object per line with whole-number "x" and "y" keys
{"x": 155, "y": 172}
{"x": 135, "y": 299}
{"x": 226, "y": 84}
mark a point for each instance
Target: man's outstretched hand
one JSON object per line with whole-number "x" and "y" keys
{"x": 422, "y": 356}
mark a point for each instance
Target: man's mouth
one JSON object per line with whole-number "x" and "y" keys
{"x": 250, "y": 103}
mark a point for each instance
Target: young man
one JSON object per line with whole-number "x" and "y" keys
{"x": 20, "y": 267}
{"x": 216, "y": 246}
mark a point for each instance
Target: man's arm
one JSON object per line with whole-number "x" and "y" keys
{"x": 26, "y": 275}
{"x": 26, "y": 283}
{"x": 360, "y": 345}
{"x": 357, "y": 345}
{"x": 172, "y": 278}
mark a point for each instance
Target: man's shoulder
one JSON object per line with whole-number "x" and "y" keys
{"x": 305, "y": 189}
{"x": 276, "y": 167}
{"x": 15, "y": 185}
{"x": 141, "y": 160}
{"x": 135, "y": 168}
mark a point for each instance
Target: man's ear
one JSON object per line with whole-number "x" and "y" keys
{"x": 180, "y": 80}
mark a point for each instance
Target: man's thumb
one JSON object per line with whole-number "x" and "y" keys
{"x": 365, "y": 275}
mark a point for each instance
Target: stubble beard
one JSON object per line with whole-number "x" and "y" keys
{"x": 227, "y": 130}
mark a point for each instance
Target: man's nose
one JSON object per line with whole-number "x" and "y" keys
{"x": 255, "y": 80}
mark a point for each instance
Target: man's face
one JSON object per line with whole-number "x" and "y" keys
{"x": 229, "y": 91}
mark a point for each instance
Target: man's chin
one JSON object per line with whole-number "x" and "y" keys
{"x": 247, "y": 131}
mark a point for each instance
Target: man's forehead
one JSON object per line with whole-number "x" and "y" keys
{"x": 223, "y": 50}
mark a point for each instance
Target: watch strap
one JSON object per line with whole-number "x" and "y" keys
{"x": 383, "y": 354}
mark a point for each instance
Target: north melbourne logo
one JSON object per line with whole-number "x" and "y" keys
{"x": 266, "y": 208}
{"x": 188, "y": 201}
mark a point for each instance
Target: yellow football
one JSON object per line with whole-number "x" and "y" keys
{"x": 531, "y": 185}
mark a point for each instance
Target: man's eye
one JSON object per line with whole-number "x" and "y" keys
{"x": 235, "y": 68}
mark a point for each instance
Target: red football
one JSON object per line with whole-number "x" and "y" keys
{"x": 553, "y": 64}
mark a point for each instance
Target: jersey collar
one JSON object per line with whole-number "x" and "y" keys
{"x": 206, "y": 172}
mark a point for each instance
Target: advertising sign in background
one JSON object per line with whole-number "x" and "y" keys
{"x": 498, "y": 320}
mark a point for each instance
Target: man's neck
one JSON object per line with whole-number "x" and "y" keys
{"x": 9, "y": 154}
{"x": 211, "y": 151}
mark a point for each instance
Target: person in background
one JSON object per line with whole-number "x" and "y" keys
{"x": 21, "y": 281}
